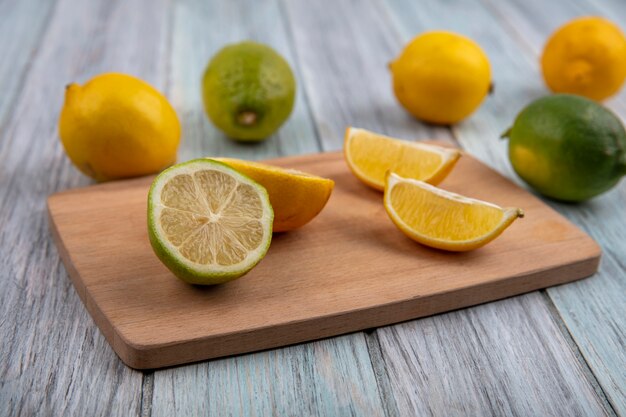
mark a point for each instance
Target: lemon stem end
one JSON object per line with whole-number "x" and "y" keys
{"x": 71, "y": 90}
{"x": 507, "y": 133}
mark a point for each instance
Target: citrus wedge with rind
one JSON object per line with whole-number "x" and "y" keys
{"x": 370, "y": 155}
{"x": 208, "y": 223}
{"x": 297, "y": 197}
{"x": 442, "y": 219}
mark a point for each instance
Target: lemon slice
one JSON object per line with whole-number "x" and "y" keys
{"x": 441, "y": 219}
{"x": 296, "y": 197}
{"x": 370, "y": 155}
{"x": 207, "y": 222}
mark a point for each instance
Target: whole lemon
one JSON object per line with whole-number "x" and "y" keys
{"x": 118, "y": 126}
{"x": 587, "y": 57}
{"x": 248, "y": 91}
{"x": 441, "y": 77}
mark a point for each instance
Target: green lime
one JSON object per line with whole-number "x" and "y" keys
{"x": 248, "y": 91}
{"x": 568, "y": 147}
{"x": 208, "y": 223}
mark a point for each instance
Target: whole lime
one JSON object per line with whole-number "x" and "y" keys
{"x": 248, "y": 91}
{"x": 568, "y": 147}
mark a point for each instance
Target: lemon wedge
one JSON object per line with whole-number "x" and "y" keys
{"x": 441, "y": 219}
{"x": 296, "y": 197}
{"x": 370, "y": 155}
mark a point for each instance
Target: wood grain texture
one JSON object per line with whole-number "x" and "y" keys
{"x": 57, "y": 363}
{"x": 360, "y": 28}
{"x": 343, "y": 49}
{"x": 531, "y": 26}
{"x": 25, "y": 21}
{"x": 199, "y": 30}
{"x": 54, "y": 361}
{"x": 594, "y": 310}
{"x": 370, "y": 273}
{"x": 508, "y": 365}
{"x": 326, "y": 378}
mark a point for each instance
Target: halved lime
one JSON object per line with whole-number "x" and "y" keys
{"x": 208, "y": 223}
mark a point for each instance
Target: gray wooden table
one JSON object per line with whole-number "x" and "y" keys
{"x": 559, "y": 352}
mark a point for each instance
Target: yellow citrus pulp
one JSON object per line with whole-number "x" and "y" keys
{"x": 441, "y": 219}
{"x": 370, "y": 156}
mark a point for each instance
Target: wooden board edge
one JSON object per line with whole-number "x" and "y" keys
{"x": 122, "y": 183}
{"x": 108, "y": 185}
{"x": 152, "y": 356}
{"x": 98, "y": 316}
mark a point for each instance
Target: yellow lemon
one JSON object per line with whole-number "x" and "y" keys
{"x": 441, "y": 77}
{"x": 441, "y": 219}
{"x": 370, "y": 155}
{"x": 118, "y": 126}
{"x": 296, "y": 197}
{"x": 587, "y": 56}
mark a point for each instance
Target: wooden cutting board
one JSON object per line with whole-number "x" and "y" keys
{"x": 349, "y": 269}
